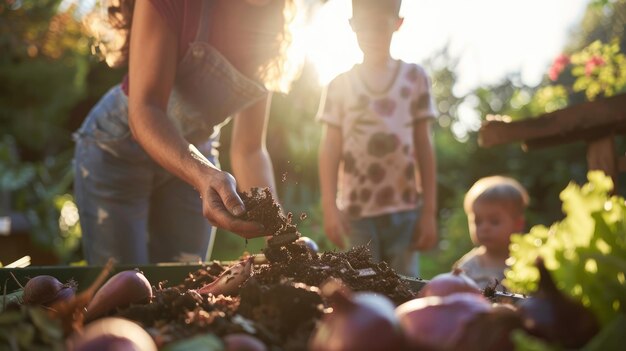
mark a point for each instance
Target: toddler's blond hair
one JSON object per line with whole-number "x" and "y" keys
{"x": 497, "y": 189}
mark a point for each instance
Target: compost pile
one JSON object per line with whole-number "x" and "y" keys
{"x": 280, "y": 303}
{"x": 292, "y": 298}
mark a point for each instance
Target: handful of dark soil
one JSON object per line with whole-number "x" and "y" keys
{"x": 261, "y": 207}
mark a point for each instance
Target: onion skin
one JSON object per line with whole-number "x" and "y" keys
{"x": 436, "y": 323}
{"x": 360, "y": 321}
{"x": 112, "y": 334}
{"x": 490, "y": 331}
{"x": 45, "y": 290}
{"x": 551, "y": 315}
{"x": 121, "y": 290}
{"x": 449, "y": 283}
{"x": 243, "y": 342}
{"x": 229, "y": 281}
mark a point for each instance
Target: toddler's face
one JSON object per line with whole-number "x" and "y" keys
{"x": 492, "y": 224}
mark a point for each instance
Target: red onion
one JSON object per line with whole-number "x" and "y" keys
{"x": 112, "y": 334}
{"x": 309, "y": 243}
{"x": 551, "y": 315}
{"x": 243, "y": 342}
{"x": 359, "y": 321}
{"x": 435, "y": 322}
{"x": 121, "y": 290}
{"x": 449, "y": 283}
{"x": 490, "y": 331}
{"x": 45, "y": 290}
{"x": 229, "y": 281}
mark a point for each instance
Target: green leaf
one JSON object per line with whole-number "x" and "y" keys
{"x": 585, "y": 252}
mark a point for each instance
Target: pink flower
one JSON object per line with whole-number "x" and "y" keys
{"x": 562, "y": 60}
{"x": 558, "y": 66}
{"x": 591, "y": 65}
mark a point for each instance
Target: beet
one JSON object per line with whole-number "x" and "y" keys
{"x": 45, "y": 290}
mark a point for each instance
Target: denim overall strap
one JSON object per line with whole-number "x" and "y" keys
{"x": 206, "y": 19}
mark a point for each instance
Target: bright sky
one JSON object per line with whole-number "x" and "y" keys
{"x": 491, "y": 37}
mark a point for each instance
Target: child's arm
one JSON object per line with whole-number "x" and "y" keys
{"x": 336, "y": 226}
{"x": 425, "y": 236}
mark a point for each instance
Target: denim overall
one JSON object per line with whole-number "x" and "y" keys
{"x": 131, "y": 209}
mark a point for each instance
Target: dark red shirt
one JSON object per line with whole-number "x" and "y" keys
{"x": 182, "y": 17}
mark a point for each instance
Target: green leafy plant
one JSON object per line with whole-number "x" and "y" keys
{"x": 599, "y": 69}
{"x": 585, "y": 252}
{"x": 40, "y": 190}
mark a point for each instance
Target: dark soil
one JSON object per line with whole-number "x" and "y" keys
{"x": 280, "y": 304}
{"x": 261, "y": 207}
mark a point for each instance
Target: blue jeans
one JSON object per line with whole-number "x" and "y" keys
{"x": 389, "y": 238}
{"x": 131, "y": 209}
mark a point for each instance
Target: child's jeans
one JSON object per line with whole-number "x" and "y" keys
{"x": 389, "y": 237}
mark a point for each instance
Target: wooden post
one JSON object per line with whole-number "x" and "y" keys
{"x": 601, "y": 156}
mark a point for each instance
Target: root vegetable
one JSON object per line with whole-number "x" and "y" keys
{"x": 309, "y": 243}
{"x": 551, "y": 315}
{"x": 121, "y": 290}
{"x": 229, "y": 281}
{"x": 449, "y": 283}
{"x": 436, "y": 323}
{"x": 243, "y": 342}
{"x": 490, "y": 331}
{"x": 359, "y": 321}
{"x": 112, "y": 334}
{"x": 45, "y": 290}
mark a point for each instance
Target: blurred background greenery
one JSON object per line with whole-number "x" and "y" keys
{"x": 49, "y": 81}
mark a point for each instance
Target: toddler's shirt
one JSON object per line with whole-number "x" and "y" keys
{"x": 377, "y": 172}
{"x": 483, "y": 276}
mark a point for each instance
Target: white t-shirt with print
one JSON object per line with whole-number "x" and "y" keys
{"x": 377, "y": 170}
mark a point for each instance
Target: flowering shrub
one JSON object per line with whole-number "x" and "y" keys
{"x": 599, "y": 69}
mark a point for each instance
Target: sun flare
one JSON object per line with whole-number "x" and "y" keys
{"x": 330, "y": 43}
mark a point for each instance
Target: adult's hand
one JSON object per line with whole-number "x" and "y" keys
{"x": 222, "y": 206}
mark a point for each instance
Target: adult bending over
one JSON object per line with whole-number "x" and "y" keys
{"x": 147, "y": 178}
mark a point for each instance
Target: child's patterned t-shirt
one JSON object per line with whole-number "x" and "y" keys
{"x": 377, "y": 171}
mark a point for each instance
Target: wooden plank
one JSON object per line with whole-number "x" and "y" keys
{"x": 585, "y": 135}
{"x": 621, "y": 164}
{"x": 601, "y": 156}
{"x": 571, "y": 122}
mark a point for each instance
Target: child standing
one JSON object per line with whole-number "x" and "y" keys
{"x": 376, "y": 134}
{"x": 495, "y": 210}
